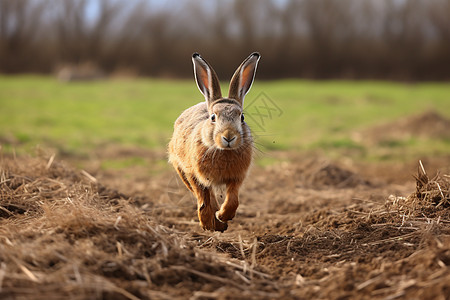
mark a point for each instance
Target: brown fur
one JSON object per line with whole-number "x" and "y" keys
{"x": 209, "y": 152}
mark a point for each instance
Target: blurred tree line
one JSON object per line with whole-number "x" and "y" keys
{"x": 385, "y": 39}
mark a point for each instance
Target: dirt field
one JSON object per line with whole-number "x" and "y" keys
{"x": 306, "y": 228}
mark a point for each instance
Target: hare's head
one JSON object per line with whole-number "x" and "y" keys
{"x": 226, "y": 128}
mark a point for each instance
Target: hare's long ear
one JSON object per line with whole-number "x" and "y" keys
{"x": 206, "y": 79}
{"x": 242, "y": 80}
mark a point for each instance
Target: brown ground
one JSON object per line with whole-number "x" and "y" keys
{"x": 307, "y": 228}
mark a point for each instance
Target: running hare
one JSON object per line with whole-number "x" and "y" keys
{"x": 211, "y": 143}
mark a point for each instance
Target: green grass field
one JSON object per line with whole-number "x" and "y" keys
{"x": 292, "y": 115}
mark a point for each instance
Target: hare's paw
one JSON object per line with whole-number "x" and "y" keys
{"x": 225, "y": 215}
{"x": 219, "y": 225}
{"x": 207, "y": 218}
{"x": 206, "y": 227}
{"x": 207, "y": 223}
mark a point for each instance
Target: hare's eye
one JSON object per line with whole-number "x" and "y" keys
{"x": 242, "y": 118}
{"x": 213, "y": 118}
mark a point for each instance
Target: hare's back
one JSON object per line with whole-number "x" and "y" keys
{"x": 191, "y": 117}
{"x": 186, "y": 129}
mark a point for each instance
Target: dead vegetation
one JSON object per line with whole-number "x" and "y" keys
{"x": 66, "y": 234}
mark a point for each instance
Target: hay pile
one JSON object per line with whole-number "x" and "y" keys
{"x": 64, "y": 235}
{"x": 431, "y": 200}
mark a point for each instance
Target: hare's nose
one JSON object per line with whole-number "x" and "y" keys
{"x": 228, "y": 140}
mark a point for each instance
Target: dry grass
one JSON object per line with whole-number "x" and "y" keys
{"x": 430, "y": 201}
{"x": 65, "y": 235}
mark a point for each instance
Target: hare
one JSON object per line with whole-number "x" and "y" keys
{"x": 212, "y": 145}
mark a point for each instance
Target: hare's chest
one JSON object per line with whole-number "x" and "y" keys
{"x": 221, "y": 167}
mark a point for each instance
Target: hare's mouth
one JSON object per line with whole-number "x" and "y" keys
{"x": 227, "y": 147}
{"x": 228, "y": 142}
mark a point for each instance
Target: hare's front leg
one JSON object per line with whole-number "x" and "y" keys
{"x": 231, "y": 203}
{"x": 207, "y": 207}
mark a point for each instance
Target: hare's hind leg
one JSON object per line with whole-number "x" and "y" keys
{"x": 184, "y": 178}
{"x": 231, "y": 203}
{"x": 207, "y": 207}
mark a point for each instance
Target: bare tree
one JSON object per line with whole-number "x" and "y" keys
{"x": 407, "y": 40}
{"x": 20, "y": 22}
